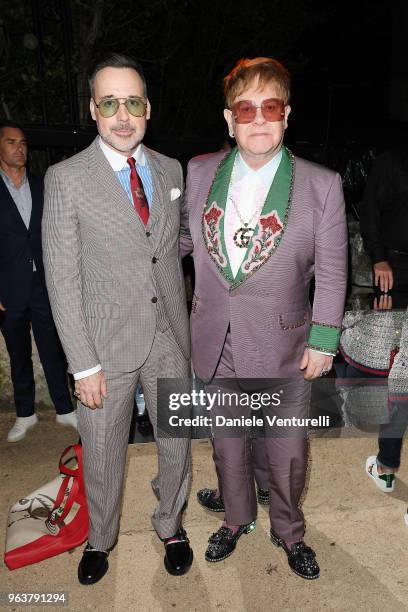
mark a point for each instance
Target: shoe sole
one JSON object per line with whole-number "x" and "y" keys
{"x": 22, "y": 435}
{"x": 377, "y": 484}
{"x": 276, "y": 543}
{"x": 63, "y": 424}
{"x": 17, "y": 439}
{"x": 302, "y": 576}
{"x": 184, "y": 571}
{"x": 220, "y": 558}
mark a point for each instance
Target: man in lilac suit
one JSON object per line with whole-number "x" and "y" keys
{"x": 261, "y": 223}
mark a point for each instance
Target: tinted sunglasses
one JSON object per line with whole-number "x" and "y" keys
{"x": 272, "y": 109}
{"x": 110, "y": 106}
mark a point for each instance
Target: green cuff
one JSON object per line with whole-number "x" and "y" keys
{"x": 324, "y": 337}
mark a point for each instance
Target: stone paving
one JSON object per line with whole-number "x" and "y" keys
{"x": 358, "y": 533}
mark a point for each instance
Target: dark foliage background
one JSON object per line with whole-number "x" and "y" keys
{"x": 340, "y": 55}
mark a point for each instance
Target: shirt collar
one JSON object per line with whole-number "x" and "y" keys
{"x": 8, "y": 180}
{"x": 265, "y": 173}
{"x": 118, "y": 161}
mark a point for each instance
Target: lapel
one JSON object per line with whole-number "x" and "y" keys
{"x": 36, "y": 201}
{"x": 160, "y": 200}
{"x": 214, "y": 215}
{"x": 10, "y": 205}
{"x": 271, "y": 225}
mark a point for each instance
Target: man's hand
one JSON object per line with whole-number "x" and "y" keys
{"x": 383, "y": 303}
{"x": 91, "y": 389}
{"x": 383, "y": 276}
{"x": 314, "y": 362}
{"x": 2, "y": 308}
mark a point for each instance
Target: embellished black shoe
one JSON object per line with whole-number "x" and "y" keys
{"x": 301, "y": 558}
{"x": 93, "y": 565}
{"x": 206, "y": 498}
{"x": 222, "y": 543}
{"x": 263, "y": 496}
{"x": 179, "y": 556}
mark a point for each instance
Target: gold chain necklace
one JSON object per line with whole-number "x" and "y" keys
{"x": 244, "y": 233}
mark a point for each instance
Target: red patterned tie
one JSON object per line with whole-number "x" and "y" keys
{"x": 138, "y": 194}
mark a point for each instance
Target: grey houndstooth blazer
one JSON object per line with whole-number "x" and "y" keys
{"x": 110, "y": 278}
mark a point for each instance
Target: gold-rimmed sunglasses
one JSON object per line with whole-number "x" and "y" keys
{"x": 108, "y": 107}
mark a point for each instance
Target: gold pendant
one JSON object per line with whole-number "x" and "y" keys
{"x": 242, "y": 236}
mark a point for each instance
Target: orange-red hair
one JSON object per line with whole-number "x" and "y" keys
{"x": 264, "y": 70}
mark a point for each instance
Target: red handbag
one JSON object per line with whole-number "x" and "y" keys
{"x": 52, "y": 519}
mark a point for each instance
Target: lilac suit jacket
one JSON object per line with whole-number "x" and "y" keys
{"x": 269, "y": 312}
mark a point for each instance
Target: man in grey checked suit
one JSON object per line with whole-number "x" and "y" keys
{"x": 111, "y": 256}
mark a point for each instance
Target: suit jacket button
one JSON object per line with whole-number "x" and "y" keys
{"x": 148, "y": 234}
{"x": 154, "y": 299}
{"x": 154, "y": 259}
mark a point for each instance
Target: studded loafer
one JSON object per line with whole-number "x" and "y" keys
{"x": 301, "y": 558}
{"x": 206, "y": 498}
{"x": 263, "y": 496}
{"x": 222, "y": 543}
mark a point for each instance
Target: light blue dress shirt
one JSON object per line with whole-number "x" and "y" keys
{"x": 122, "y": 170}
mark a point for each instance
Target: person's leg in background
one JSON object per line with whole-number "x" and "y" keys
{"x": 15, "y": 327}
{"x": 382, "y": 468}
{"x": 51, "y": 354}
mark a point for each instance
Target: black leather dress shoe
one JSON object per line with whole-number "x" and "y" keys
{"x": 93, "y": 566}
{"x": 222, "y": 543}
{"x": 263, "y": 496}
{"x": 179, "y": 555}
{"x": 301, "y": 558}
{"x": 206, "y": 498}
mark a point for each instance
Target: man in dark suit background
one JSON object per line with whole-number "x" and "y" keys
{"x": 383, "y": 222}
{"x": 23, "y": 295}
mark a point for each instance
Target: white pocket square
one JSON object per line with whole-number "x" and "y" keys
{"x": 175, "y": 193}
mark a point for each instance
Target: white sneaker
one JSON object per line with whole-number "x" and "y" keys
{"x": 385, "y": 482}
{"x": 68, "y": 419}
{"x": 20, "y": 428}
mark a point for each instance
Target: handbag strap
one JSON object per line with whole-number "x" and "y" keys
{"x": 75, "y": 476}
{"x": 55, "y": 517}
{"x": 64, "y": 469}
